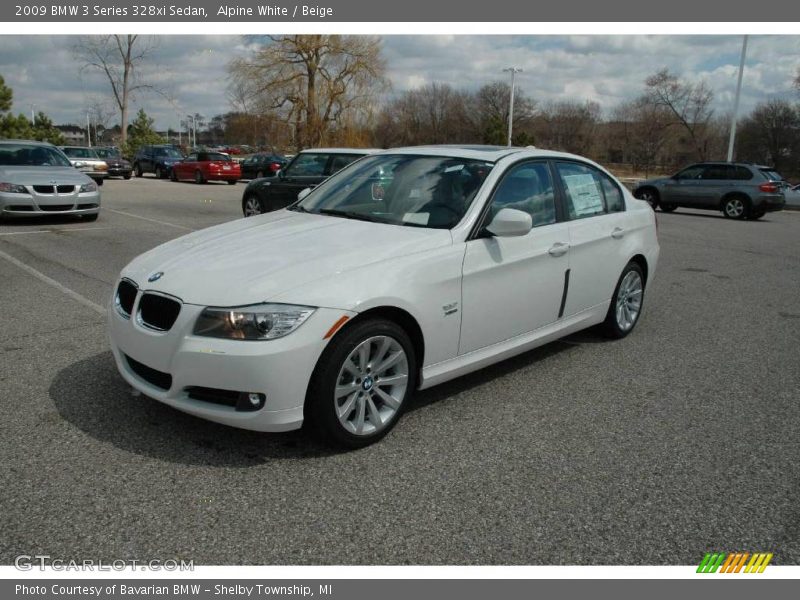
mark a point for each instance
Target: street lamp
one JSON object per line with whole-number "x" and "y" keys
{"x": 732, "y": 138}
{"x": 513, "y": 71}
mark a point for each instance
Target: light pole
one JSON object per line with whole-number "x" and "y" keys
{"x": 192, "y": 131}
{"x": 88, "y": 130}
{"x": 33, "y": 114}
{"x": 513, "y": 71}
{"x": 732, "y": 138}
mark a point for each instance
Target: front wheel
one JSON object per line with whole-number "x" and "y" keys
{"x": 138, "y": 170}
{"x": 159, "y": 173}
{"x": 667, "y": 208}
{"x": 252, "y": 206}
{"x": 231, "y": 182}
{"x": 626, "y": 303}
{"x": 650, "y": 196}
{"x": 198, "y": 177}
{"x": 361, "y": 384}
{"x": 173, "y": 175}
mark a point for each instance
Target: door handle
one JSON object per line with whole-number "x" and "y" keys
{"x": 558, "y": 249}
{"x": 618, "y": 233}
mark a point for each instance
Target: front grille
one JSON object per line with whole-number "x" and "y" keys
{"x": 126, "y": 295}
{"x": 158, "y": 312}
{"x": 157, "y": 378}
{"x": 86, "y": 206}
{"x": 56, "y": 207}
{"x": 213, "y": 395}
{"x": 18, "y": 207}
{"x": 44, "y": 189}
{"x": 65, "y": 189}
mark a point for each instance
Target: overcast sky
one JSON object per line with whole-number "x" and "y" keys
{"x": 603, "y": 68}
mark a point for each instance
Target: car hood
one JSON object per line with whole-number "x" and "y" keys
{"x": 24, "y": 175}
{"x": 255, "y": 259}
{"x": 654, "y": 181}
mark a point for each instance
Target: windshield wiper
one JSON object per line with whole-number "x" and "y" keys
{"x": 298, "y": 208}
{"x": 350, "y": 214}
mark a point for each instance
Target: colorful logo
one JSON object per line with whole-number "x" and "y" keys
{"x": 734, "y": 562}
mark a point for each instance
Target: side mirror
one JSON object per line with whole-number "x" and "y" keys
{"x": 510, "y": 222}
{"x": 303, "y": 193}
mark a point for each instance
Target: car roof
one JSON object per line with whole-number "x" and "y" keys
{"x": 486, "y": 153}
{"x": 31, "y": 142}
{"x": 360, "y": 151}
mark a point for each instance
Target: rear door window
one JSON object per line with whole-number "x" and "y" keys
{"x": 340, "y": 161}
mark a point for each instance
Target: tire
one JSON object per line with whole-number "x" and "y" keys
{"x": 138, "y": 169}
{"x": 159, "y": 172}
{"x": 360, "y": 415}
{"x": 626, "y": 303}
{"x": 667, "y": 208}
{"x": 260, "y": 175}
{"x": 736, "y": 207}
{"x": 252, "y": 206}
{"x": 99, "y": 182}
{"x": 649, "y": 195}
{"x": 198, "y": 177}
{"x": 128, "y": 176}
{"x": 173, "y": 176}
{"x": 231, "y": 182}
{"x": 90, "y": 218}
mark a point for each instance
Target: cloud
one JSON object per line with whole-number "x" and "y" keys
{"x": 606, "y": 69}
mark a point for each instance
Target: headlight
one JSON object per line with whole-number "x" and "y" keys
{"x": 256, "y": 322}
{"x": 12, "y": 188}
{"x": 88, "y": 187}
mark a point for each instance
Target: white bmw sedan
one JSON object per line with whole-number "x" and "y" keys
{"x": 408, "y": 268}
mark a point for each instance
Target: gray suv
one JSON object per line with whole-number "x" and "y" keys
{"x": 739, "y": 190}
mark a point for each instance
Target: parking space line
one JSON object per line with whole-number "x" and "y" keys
{"x": 127, "y": 214}
{"x": 60, "y": 287}
{"x": 54, "y": 230}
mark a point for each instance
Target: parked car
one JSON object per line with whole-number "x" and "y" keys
{"x": 87, "y": 161}
{"x": 739, "y": 190}
{"x": 333, "y": 312}
{"x": 307, "y": 169}
{"x": 157, "y": 159}
{"x": 37, "y": 179}
{"x": 262, "y": 165}
{"x": 207, "y": 166}
{"x": 117, "y": 166}
{"x": 792, "y": 194}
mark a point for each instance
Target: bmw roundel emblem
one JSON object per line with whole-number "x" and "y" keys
{"x": 155, "y": 276}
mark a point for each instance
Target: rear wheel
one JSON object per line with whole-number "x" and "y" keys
{"x": 127, "y": 176}
{"x": 626, "y": 303}
{"x": 138, "y": 169}
{"x": 173, "y": 175}
{"x": 667, "y": 207}
{"x": 361, "y": 384}
{"x": 260, "y": 174}
{"x": 198, "y": 177}
{"x": 231, "y": 182}
{"x": 159, "y": 173}
{"x": 736, "y": 207}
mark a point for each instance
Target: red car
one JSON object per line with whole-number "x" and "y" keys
{"x": 207, "y": 166}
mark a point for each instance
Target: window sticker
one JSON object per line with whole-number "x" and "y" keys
{"x": 416, "y": 218}
{"x": 586, "y": 196}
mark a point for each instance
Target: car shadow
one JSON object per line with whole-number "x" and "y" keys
{"x": 708, "y": 215}
{"x": 92, "y": 396}
{"x": 46, "y": 220}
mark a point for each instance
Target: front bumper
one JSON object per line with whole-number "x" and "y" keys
{"x": 39, "y": 205}
{"x": 119, "y": 171}
{"x": 279, "y": 368}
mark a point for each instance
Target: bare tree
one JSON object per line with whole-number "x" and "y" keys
{"x": 642, "y": 129}
{"x": 568, "y": 125}
{"x": 771, "y": 134}
{"x": 492, "y": 104}
{"x": 689, "y": 103}
{"x": 119, "y": 58}
{"x": 311, "y": 81}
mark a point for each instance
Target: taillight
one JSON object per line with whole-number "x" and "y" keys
{"x": 770, "y": 187}
{"x": 274, "y": 166}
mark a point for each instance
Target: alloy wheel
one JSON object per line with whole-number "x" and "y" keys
{"x": 734, "y": 208}
{"x": 252, "y": 207}
{"x": 629, "y": 300}
{"x": 371, "y": 385}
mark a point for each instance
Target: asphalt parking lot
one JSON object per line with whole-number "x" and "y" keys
{"x": 681, "y": 439}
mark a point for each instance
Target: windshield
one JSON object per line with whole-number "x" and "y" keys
{"x": 107, "y": 153}
{"x": 30, "y": 155}
{"x": 401, "y": 189}
{"x": 80, "y": 152}
{"x": 169, "y": 152}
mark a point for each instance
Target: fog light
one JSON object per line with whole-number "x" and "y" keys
{"x": 250, "y": 401}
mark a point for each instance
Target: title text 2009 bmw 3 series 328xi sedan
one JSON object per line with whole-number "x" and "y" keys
{"x": 408, "y": 268}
